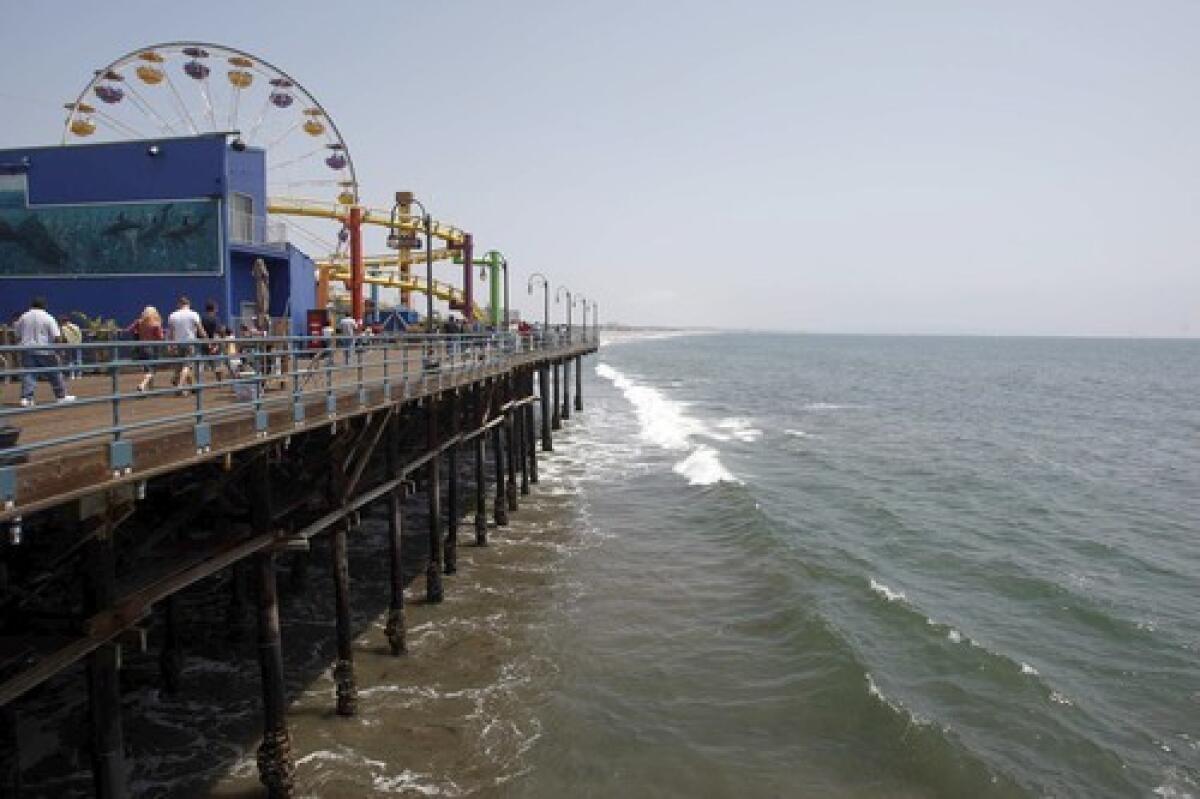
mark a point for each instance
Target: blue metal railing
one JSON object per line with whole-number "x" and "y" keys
{"x": 247, "y": 376}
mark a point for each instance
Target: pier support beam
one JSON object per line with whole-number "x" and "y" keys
{"x": 452, "y": 497}
{"x": 511, "y": 452}
{"x": 531, "y": 441}
{"x": 566, "y": 408}
{"x": 500, "y": 506}
{"x": 104, "y": 691}
{"x": 579, "y": 382}
{"x": 433, "y": 575}
{"x": 343, "y": 670}
{"x": 170, "y": 658}
{"x": 522, "y": 446}
{"x": 276, "y": 770}
{"x": 556, "y": 416}
{"x": 395, "y": 629}
{"x": 544, "y": 392}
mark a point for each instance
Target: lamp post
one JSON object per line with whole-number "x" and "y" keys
{"x": 566, "y": 365}
{"x": 536, "y": 276}
{"x": 595, "y": 321}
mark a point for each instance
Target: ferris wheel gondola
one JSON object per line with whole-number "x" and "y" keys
{"x": 192, "y": 88}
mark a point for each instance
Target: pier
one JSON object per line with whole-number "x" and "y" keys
{"x": 113, "y": 504}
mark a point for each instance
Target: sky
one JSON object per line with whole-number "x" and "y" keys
{"x": 1027, "y": 167}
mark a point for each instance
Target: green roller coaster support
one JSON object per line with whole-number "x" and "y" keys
{"x": 493, "y": 261}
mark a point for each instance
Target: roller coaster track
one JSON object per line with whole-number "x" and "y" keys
{"x": 337, "y": 267}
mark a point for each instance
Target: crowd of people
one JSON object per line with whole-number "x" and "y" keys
{"x": 186, "y": 339}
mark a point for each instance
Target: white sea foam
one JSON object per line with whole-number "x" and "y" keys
{"x": 827, "y": 406}
{"x": 741, "y": 428}
{"x": 885, "y": 592}
{"x": 703, "y": 468}
{"x": 665, "y": 423}
{"x": 797, "y": 434}
{"x": 1027, "y": 669}
{"x": 955, "y": 636}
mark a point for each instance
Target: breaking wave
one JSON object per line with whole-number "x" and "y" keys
{"x": 665, "y": 423}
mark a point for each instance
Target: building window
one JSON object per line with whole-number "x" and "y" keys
{"x": 241, "y": 217}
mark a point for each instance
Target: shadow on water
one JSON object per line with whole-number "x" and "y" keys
{"x": 202, "y": 741}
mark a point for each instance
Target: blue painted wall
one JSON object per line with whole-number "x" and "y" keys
{"x": 185, "y": 168}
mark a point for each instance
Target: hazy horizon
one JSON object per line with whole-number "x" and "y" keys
{"x": 929, "y": 169}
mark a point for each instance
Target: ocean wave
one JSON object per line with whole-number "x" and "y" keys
{"x": 665, "y": 423}
{"x": 887, "y": 593}
{"x": 703, "y": 468}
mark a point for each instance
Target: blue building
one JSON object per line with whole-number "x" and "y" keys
{"x": 106, "y": 229}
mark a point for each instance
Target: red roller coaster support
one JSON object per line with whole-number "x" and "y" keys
{"x": 354, "y": 223}
{"x": 468, "y": 279}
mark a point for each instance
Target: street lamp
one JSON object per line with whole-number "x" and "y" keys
{"x": 558, "y": 295}
{"x": 583, "y": 301}
{"x": 566, "y": 364}
{"x": 595, "y": 320}
{"x": 546, "y": 296}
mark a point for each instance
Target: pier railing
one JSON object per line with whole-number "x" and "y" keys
{"x": 196, "y": 384}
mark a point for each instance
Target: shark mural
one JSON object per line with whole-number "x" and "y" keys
{"x": 146, "y": 238}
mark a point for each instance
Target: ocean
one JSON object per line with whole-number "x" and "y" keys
{"x": 882, "y": 567}
{"x": 766, "y": 566}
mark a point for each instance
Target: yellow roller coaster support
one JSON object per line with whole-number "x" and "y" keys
{"x": 289, "y": 206}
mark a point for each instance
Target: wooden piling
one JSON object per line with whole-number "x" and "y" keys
{"x": 433, "y": 575}
{"x": 500, "y": 506}
{"x": 276, "y": 770}
{"x": 566, "y": 400}
{"x": 579, "y": 382}
{"x": 452, "y": 510}
{"x": 104, "y": 692}
{"x": 522, "y": 447}
{"x": 343, "y": 670}
{"x": 544, "y": 392}
{"x": 531, "y": 442}
{"x": 510, "y": 450}
{"x": 556, "y": 415}
{"x": 480, "y": 465}
{"x": 395, "y": 629}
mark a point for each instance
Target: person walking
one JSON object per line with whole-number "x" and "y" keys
{"x": 348, "y": 328}
{"x": 210, "y": 323}
{"x": 36, "y": 331}
{"x": 147, "y": 328}
{"x": 183, "y": 328}
{"x": 72, "y": 335}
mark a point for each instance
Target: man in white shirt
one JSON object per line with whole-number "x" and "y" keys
{"x": 184, "y": 327}
{"x": 37, "y": 331}
{"x": 348, "y": 328}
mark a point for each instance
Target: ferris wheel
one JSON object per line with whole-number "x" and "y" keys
{"x": 191, "y": 88}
